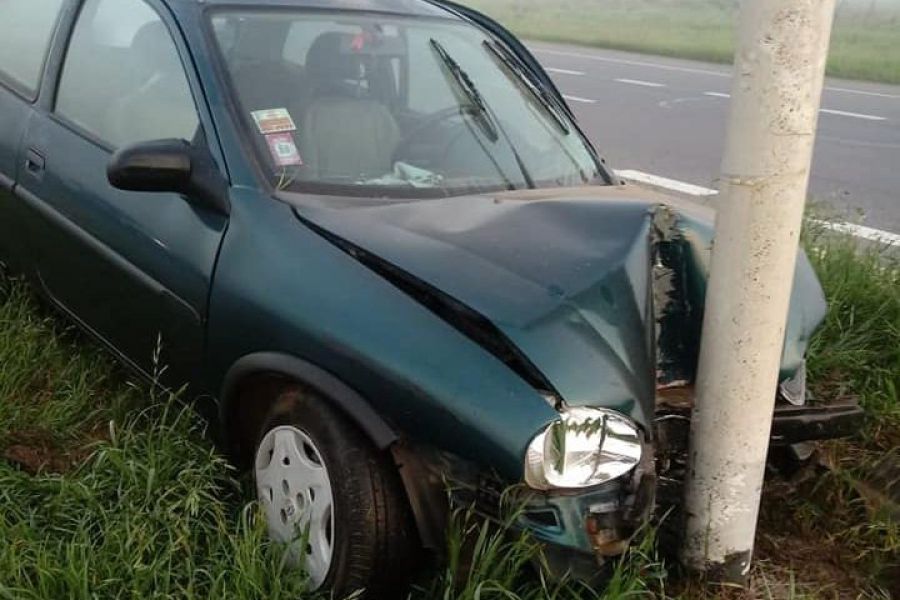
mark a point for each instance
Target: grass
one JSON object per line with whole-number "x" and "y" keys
{"x": 856, "y": 355}
{"x": 109, "y": 491}
{"x": 864, "y": 45}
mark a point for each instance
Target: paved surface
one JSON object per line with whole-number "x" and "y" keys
{"x": 666, "y": 117}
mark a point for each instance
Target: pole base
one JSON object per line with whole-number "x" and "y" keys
{"x": 734, "y": 570}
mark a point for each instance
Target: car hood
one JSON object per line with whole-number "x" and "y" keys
{"x": 593, "y": 294}
{"x": 572, "y": 281}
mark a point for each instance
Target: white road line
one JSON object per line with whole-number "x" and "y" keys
{"x": 577, "y": 99}
{"x": 860, "y": 231}
{"x": 641, "y": 63}
{"x": 665, "y": 182}
{"x": 641, "y": 82}
{"x": 862, "y": 92}
{"x": 844, "y": 113}
{"x": 827, "y": 111}
{"x": 637, "y": 63}
{"x": 564, "y": 71}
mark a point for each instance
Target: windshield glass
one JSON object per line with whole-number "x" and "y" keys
{"x": 352, "y": 103}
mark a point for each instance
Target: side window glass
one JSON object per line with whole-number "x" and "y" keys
{"x": 26, "y": 28}
{"x": 122, "y": 80}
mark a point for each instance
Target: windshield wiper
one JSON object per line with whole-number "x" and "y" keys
{"x": 467, "y": 86}
{"x": 486, "y": 117}
{"x": 524, "y": 76}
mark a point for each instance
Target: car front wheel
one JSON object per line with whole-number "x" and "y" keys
{"x": 334, "y": 498}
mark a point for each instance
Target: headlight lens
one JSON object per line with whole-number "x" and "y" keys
{"x": 586, "y": 447}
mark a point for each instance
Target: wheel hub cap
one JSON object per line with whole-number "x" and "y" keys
{"x": 294, "y": 489}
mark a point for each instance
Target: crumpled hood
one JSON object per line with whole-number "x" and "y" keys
{"x": 566, "y": 277}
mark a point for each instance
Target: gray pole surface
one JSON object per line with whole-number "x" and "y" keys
{"x": 779, "y": 74}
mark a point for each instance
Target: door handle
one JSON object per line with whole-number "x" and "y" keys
{"x": 35, "y": 163}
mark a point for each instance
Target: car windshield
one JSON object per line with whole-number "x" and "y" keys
{"x": 352, "y": 103}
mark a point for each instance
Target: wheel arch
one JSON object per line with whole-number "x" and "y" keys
{"x": 251, "y": 387}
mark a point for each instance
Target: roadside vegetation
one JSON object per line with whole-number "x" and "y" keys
{"x": 865, "y": 44}
{"x": 110, "y": 490}
{"x": 840, "y": 521}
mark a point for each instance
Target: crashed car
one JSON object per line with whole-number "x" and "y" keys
{"x": 374, "y": 234}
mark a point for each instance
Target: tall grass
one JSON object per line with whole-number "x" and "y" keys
{"x": 857, "y": 351}
{"x": 485, "y": 561}
{"x": 865, "y": 45}
{"x": 108, "y": 490}
{"x": 856, "y": 355}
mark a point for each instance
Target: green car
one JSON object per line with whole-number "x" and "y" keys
{"x": 371, "y": 239}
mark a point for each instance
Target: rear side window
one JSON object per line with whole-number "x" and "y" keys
{"x": 26, "y": 27}
{"x": 122, "y": 80}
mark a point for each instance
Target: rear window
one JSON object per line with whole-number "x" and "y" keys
{"x": 25, "y": 32}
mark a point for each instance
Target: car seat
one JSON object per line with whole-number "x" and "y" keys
{"x": 347, "y": 136}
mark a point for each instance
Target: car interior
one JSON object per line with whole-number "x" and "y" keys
{"x": 380, "y": 102}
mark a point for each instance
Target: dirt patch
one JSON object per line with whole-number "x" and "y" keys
{"x": 790, "y": 543}
{"x": 801, "y": 547}
{"x": 39, "y": 452}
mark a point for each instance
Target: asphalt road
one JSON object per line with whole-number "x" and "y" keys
{"x": 666, "y": 117}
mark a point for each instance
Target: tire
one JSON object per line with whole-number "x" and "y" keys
{"x": 372, "y": 534}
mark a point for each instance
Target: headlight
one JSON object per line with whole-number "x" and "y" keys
{"x": 586, "y": 447}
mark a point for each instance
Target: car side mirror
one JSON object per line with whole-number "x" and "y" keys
{"x": 170, "y": 166}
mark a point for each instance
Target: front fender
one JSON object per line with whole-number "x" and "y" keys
{"x": 330, "y": 387}
{"x": 808, "y": 305}
{"x": 282, "y": 289}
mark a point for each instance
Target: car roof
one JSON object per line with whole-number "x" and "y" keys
{"x": 400, "y": 7}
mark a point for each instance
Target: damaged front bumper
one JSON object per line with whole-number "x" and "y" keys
{"x": 585, "y": 529}
{"x": 582, "y": 529}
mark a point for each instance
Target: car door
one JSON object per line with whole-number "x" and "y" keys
{"x": 26, "y": 30}
{"x": 133, "y": 268}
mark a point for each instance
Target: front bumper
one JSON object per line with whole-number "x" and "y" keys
{"x": 587, "y": 528}
{"x": 582, "y": 529}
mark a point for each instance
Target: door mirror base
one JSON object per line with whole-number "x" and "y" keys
{"x": 170, "y": 166}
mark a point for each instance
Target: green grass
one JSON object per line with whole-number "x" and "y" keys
{"x": 857, "y": 351}
{"x": 109, "y": 491}
{"x": 856, "y": 355}
{"x": 864, "y": 46}
{"x": 133, "y": 501}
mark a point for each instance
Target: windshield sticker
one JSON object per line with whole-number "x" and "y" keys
{"x": 274, "y": 120}
{"x": 284, "y": 150}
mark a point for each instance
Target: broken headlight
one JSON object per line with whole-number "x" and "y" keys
{"x": 586, "y": 447}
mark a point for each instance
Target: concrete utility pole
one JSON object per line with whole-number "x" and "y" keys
{"x": 777, "y": 88}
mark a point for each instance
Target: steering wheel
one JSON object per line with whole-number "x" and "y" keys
{"x": 432, "y": 121}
